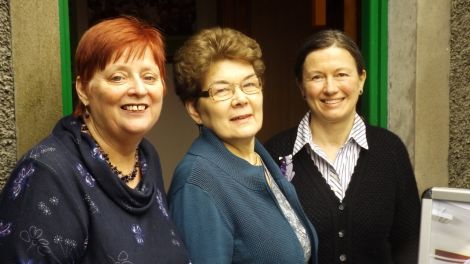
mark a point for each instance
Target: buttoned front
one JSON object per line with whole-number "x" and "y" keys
{"x": 378, "y": 219}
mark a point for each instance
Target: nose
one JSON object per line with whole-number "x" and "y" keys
{"x": 239, "y": 97}
{"x": 138, "y": 87}
{"x": 330, "y": 86}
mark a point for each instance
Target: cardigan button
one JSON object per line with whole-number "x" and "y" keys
{"x": 341, "y": 233}
{"x": 341, "y": 207}
{"x": 342, "y": 257}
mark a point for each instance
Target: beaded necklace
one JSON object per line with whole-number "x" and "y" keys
{"x": 126, "y": 178}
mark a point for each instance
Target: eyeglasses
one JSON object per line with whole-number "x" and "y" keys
{"x": 220, "y": 91}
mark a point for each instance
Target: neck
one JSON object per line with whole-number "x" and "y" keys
{"x": 245, "y": 150}
{"x": 120, "y": 153}
{"x": 330, "y": 136}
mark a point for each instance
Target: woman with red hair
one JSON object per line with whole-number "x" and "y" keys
{"x": 92, "y": 191}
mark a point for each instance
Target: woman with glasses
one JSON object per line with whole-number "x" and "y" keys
{"x": 228, "y": 197}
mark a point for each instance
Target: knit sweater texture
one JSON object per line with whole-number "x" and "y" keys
{"x": 378, "y": 220}
{"x": 63, "y": 204}
{"x": 225, "y": 211}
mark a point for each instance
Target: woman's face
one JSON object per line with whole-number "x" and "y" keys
{"x": 125, "y": 99}
{"x": 331, "y": 84}
{"x": 234, "y": 119}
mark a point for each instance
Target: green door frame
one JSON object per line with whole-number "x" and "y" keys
{"x": 65, "y": 58}
{"x": 374, "y": 40}
{"x": 374, "y": 37}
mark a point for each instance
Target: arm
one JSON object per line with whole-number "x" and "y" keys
{"x": 404, "y": 236}
{"x": 40, "y": 221}
{"x": 204, "y": 230}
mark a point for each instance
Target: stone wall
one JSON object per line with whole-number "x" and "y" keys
{"x": 459, "y": 85}
{"x": 7, "y": 99}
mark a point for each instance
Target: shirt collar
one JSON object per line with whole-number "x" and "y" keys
{"x": 304, "y": 134}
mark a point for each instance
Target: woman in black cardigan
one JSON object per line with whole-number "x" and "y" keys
{"x": 355, "y": 181}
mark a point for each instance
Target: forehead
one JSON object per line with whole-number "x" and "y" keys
{"x": 229, "y": 70}
{"x": 131, "y": 54}
{"x": 330, "y": 56}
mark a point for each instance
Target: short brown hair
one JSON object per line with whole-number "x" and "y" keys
{"x": 108, "y": 40}
{"x": 193, "y": 59}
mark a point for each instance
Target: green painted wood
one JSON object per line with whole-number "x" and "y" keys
{"x": 374, "y": 38}
{"x": 65, "y": 58}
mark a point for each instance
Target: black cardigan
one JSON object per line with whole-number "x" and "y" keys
{"x": 378, "y": 220}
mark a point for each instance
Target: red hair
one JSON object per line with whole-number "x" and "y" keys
{"x": 109, "y": 40}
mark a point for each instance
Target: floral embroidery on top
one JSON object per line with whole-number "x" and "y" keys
{"x": 161, "y": 205}
{"x": 287, "y": 167}
{"x": 91, "y": 205}
{"x": 85, "y": 175}
{"x": 66, "y": 245}
{"x": 123, "y": 258}
{"x": 5, "y": 229}
{"x": 138, "y": 234}
{"x": 97, "y": 154}
{"x": 143, "y": 165}
{"x": 33, "y": 238}
{"x": 44, "y": 208}
{"x": 174, "y": 240}
{"x": 39, "y": 150}
{"x": 20, "y": 182}
{"x": 54, "y": 200}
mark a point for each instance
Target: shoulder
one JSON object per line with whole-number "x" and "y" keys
{"x": 282, "y": 143}
{"x": 49, "y": 153}
{"x": 196, "y": 171}
{"x": 380, "y": 137}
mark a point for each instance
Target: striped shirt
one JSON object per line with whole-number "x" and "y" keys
{"x": 337, "y": 174}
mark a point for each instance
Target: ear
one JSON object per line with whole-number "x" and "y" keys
{"x": 362, "y": 78}
{"x": 81, "y": 91}
{"x": 192, "y": 111}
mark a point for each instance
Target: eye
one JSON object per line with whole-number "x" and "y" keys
{"x": 117, "y": 78}
{"x": 251, "y": 86}
{"x": 150, "y": 77}
{"x": 342, "y": 75}
{"x": 317, "y": 78}
{"x": 220, "y": 90}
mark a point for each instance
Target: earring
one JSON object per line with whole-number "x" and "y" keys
{"x": 87, "y": 113}
{"x": 360, "y": 92}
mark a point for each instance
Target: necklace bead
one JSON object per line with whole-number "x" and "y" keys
{"x": 123, "y": 177}
{"x": 126, "y": 178}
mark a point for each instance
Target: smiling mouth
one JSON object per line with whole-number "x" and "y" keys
{"x": 241, "y": 117}
{"x": 332, "y": 101}
{"x": 134, "y": 107}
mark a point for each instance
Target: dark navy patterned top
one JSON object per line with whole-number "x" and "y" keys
{"x": 63, "y": 204}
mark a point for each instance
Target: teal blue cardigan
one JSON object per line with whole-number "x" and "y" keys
{"x": 225, "y": 211}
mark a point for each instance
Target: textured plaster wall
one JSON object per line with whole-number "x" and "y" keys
{"x": 7, "y": 103}
{"x": 36, "y": 65}
{"x": 459, "y": 154}
{"x": 31, "y": 102}
{"x": 418, "y": 85}
{"x": 402, "y": 71}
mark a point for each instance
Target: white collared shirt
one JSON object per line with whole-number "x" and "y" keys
{"x": 337, "y": 174}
